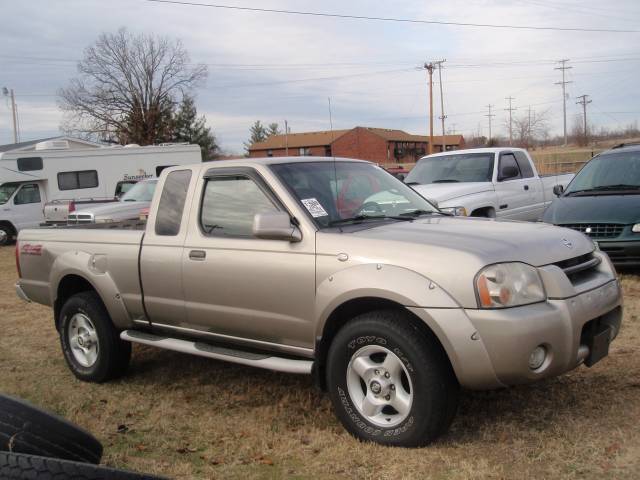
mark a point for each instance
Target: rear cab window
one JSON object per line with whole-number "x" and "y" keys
{"x": 172, "y": 201}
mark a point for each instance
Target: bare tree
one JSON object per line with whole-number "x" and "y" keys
{"x": 127, "y": 88}
{"x": 529, "y": 128}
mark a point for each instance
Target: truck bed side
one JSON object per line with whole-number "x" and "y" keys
{"x": 107, "y": 259}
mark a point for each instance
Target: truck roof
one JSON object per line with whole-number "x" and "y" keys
{"x": 246, "y": 162}
{"x": 476, "y": 150}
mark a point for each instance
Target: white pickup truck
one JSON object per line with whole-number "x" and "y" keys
{"x": 486, "y": 182}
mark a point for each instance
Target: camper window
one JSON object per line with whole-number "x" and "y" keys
{"x": 77, "y": 180}
{"x": 28, "y": 164}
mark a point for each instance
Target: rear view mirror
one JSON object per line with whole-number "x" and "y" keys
{"x": 508, "y": 171}
{"x": 275, "y": 226}
{"x": 558, "y": 190}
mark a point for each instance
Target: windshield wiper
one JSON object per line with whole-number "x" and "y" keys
{"x": 604, "y": 188}
{"x": 412, "y": 183}
{"x": 361, "y": 218}
{"x": 420, "y": 212}
{"x": 446, "y": 180}
{"x": 129, "y": 200}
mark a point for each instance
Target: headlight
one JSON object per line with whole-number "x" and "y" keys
{"x": 457, "y": 211}
{"x": 509, "y": 285}
{"x": 636, "y": 228}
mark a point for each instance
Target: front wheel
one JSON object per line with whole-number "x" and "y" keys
{"x": 91, "y": 345}
{"x": 390, "y": 382}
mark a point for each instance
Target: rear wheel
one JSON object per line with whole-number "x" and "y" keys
{"x": 91, "y": 345}
{"x": 390, "y": 382}
{"x": 7, "y": 233}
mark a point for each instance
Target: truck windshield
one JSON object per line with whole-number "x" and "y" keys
{"x": 350, "y": 192}
{"x": 140, "y": 192}
{"x": 468, "y": 167}
{"x": 6, "y": 190}
{"x": 612, "y": 172}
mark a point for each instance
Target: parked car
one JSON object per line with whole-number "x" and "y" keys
{"x": 392, "y": 306}
{"x": 603, "y": 202}
{"x": 45, "y": 184}
{"x": 485, "y": 182}
{"x": 130, "y": 206}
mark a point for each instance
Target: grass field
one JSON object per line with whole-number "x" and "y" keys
{"x": 188, "y": 417}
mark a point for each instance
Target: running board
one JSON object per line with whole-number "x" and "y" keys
{"x": 201, "y": 349}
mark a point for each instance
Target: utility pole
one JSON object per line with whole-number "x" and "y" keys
{"x": 286, "y": 139}
{"x": 443, "y": 116}
{"x": 9, "y": 93}
{"x": 489, "y": 115}
{"x": 510, "y": 110}
{"x": 564, "y": 68}
{"x": 429, "y": 68}
{"x": 584, "y": 102}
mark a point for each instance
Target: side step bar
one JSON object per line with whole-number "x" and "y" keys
{"x": 201, "y": 349}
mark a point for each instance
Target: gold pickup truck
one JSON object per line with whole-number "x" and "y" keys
{"x": 329, "y": 267}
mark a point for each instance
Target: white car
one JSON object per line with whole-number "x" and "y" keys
{"x": 486, "y": 182}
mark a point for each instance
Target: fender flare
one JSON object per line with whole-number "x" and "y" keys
{"x": 92, "y": 268}
{"x": 389, "y": 282}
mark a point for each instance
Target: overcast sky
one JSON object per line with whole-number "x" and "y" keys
{"x": 273, "y": 67}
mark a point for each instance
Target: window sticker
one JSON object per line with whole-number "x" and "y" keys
{"x": 314, "y": 207}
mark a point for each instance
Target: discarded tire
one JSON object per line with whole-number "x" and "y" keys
{"x": 30, "y": 430}
{"x": 15, "y": 466}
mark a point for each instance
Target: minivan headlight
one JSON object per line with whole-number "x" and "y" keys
{"x": 508, "y": 285}
{"x": 636, "y": 228}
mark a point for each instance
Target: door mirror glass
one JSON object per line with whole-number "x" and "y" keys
{"x": 275, "y": 226}
{"x": 558, "y": 190}
{"x": 509, "y": 171}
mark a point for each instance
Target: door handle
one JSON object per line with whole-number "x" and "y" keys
{"x": 197, "y": 255}
{"x": 526, "y": 187}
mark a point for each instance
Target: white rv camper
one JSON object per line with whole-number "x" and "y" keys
{"x": 68, "y": 169}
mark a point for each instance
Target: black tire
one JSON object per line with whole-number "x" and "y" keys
{"x": 15, "y": 466}
{"x": 113, "y": 354}
{"x": 28, "y": 429}
{"x": 433, "y": 384}
{"x": 7, "y": 234}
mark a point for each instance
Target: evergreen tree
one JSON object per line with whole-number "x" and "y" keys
{"x": 188, "y": 127}
{"x": 257, "y": 133}
{"x": 273, "y": 129}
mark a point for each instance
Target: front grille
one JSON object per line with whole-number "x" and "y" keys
{"x": 597, "y": 230}
{"x": 578, "y": 268}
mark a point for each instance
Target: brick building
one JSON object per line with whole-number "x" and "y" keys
{"x": 380, "y": 145}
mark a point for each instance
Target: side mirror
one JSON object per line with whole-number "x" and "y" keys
{"x": 275, "y": 226}
{"x": 508, "y": 171}
{"x": 558, "y": 190}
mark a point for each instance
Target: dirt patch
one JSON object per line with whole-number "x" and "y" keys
{"x": 189, "y": 417}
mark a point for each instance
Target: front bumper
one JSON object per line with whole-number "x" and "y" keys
{"x": 491, "y": 348}
{"x": 622, "y": 253}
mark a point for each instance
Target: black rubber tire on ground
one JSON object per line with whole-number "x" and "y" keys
{"x": 435, "y": 388}
{"x": 7, "y": 234}
{"x": 114, "y": 354}
{"x": 28, "y": 429}
{"x": 14, "y": 466}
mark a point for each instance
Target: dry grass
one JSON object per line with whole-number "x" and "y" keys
{"x": 189, "y": 417}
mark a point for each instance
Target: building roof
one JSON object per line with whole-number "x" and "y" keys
{"x": 325, "y": 138}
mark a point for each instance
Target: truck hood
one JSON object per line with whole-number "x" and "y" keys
{"x": 443, "y": 192}
{"x": 117, "y": 210}
{"x": 451, "y": 250}
{"x": 594, "y": 209}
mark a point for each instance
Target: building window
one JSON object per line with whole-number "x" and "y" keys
{"x": 327, "y": 151}
{"x": 269, "y": 153}
{"x": 28, "y": 164}
{"x": 77, "y": 180}
{"x": 304, "y": 152}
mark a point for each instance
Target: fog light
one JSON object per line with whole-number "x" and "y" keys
{"x": 537, "y": 357}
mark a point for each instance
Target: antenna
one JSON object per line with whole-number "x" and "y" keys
{"x": 335, "y": 170}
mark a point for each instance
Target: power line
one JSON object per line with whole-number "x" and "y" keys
{"x": 392, "y": 19}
